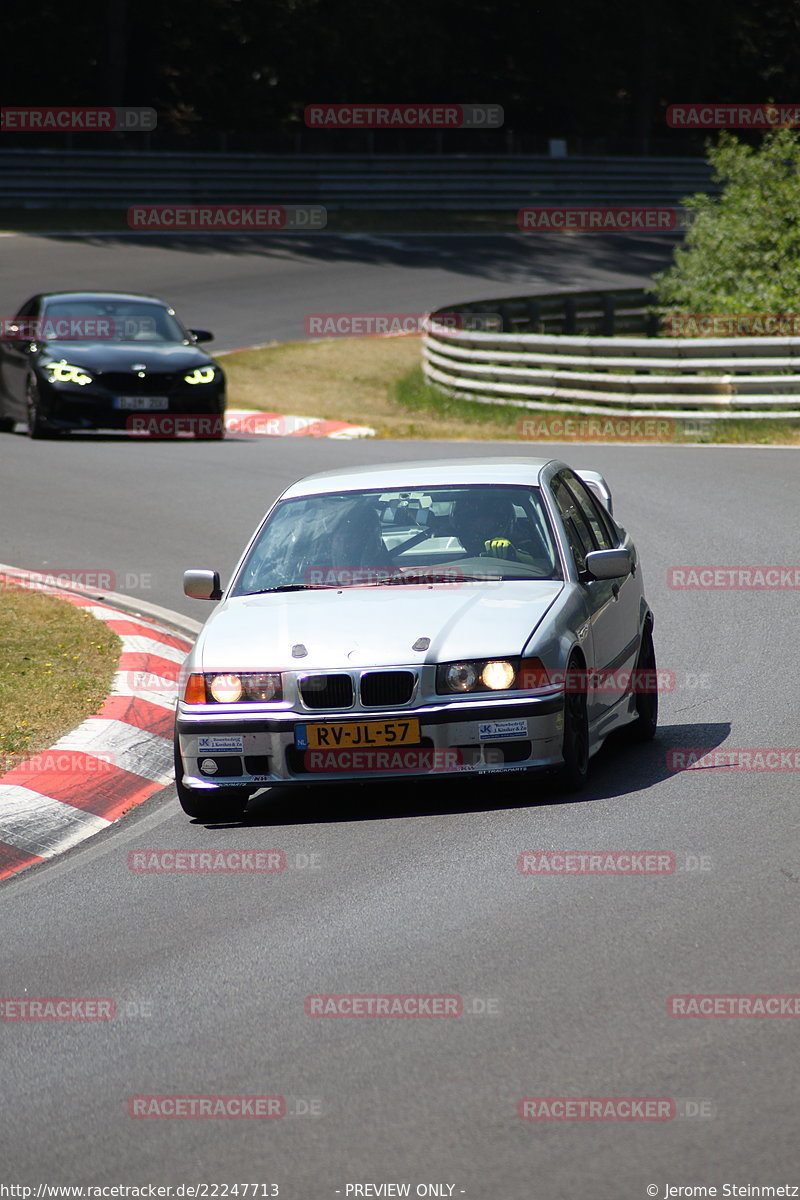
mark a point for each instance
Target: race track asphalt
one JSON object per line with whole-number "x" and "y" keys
{"x": 417, "y": 890}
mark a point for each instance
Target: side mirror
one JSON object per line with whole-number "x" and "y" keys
{"x": 19, "y": 335}
{"x": 202, "y": 335}
{"x": 202, "y": 585}
{"x": 608, "y": 564}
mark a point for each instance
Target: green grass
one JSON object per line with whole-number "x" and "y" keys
{"x": 56, "y": 666}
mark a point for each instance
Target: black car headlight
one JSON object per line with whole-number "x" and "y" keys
{"x": 64, "y": 372}
{"x": 201, "y": 375}
{"x": 491, "y": 675}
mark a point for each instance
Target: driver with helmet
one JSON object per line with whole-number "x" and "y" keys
{"x": 484, "y": 524}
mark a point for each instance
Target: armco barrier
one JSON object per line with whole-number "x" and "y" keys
{"x": 558, "y": 352}
{"x": 115, "y": 179}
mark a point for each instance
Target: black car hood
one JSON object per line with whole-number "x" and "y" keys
{"x": 120, "y": 356}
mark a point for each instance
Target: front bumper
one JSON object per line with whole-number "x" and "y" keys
{"x": 73, "y": 408}
{"x": 465, "y": 737}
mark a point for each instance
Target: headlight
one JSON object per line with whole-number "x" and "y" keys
{"x": 225, "y": 689}
{"x": 498, "y": 676}
{"x": 460, "y": 677}
{"x": 200, "y": 375}
{"x": 492, "y": 675}
{"x": 252, "y": 687}
{"x": 64, "y": 372}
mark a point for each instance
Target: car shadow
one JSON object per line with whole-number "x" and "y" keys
{"x": 619, "y": 769}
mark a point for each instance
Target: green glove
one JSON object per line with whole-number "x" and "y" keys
{"x": 500, "y": 548}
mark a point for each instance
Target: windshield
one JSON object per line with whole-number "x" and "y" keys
{"x": 110, "y": 320}
{"x": 426, "y": 535}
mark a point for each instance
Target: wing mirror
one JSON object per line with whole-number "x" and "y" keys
{"x": 202, "y": 585}
{"x": 608, "y": 564}
{"x": 202, "y": 335}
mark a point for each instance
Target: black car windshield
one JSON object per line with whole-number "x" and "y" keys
{"x": 418, "y": 536}
{"x": 110, "y": 321}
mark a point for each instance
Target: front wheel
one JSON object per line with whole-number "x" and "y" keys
{"x": 224, "y": 804}
{"x": 644, "y": 727}
{"x": 575, "y": 747}
{"x": 37, "y": 425}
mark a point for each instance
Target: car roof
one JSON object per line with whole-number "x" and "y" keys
{"x": 426, "y": 473}
{"x": 101, "y": 296}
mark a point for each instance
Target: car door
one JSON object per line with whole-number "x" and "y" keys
{"x": 613, "y": 603}
{"x": 15, "y": 359}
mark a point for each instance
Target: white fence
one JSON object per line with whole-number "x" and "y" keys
{"x": 742, "y": 377}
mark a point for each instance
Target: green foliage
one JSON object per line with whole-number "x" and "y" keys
{"x": 742, "y": 251}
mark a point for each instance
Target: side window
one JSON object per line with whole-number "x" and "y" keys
{"x": 579, "y": 533}
{"x": 604, "y": 536}
{"x": 30, "y": 308}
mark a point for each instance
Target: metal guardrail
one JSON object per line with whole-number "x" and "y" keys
{"x": 582, "y": 368}
{"x": 114, "y": 179}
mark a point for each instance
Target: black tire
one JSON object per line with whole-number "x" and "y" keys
{"x": 644, "y": 727}
{"x": 575, "y": 746}
{"x": 224, "y": 804}
{"x": 37, "y": 425}
{"x": 7, "y": 424}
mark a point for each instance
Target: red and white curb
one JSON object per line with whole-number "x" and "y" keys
{"x": 266, "y": 424}
{"x": 112, "y": 761}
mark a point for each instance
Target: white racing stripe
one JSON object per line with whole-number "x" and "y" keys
{"x": 125, "y": 746}
{"x": 125, "y": 684}
{"x": 39, "y": 825}
{"x": 142, "y": 645}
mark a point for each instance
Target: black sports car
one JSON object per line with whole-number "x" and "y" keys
{"x": 107, "y": 360}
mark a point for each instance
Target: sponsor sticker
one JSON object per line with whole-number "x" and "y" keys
{"x": 218, "y": 744}
{"x": 490, "y": 731}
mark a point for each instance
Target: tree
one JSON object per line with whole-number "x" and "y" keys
{"x": 742, "y": 250}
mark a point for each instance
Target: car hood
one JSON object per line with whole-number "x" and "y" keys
{"x": 372, "y": 626}
{"x": 120, "y": 356}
